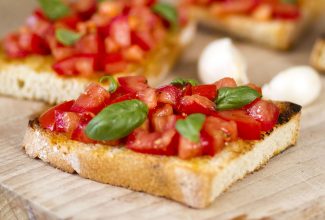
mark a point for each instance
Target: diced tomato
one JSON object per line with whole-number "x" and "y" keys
{"x": 153, "y": 143}
{"x": 255, "y": 87}
{"x": 248, "y": 127}
{"x": 134, "y": 54}
{"x": 187, "y": 90}
{"x": 169, "y": 94}
{"x": 88, "y": 44}
{"x": 233, "y": 7}
{"x": 120, "y": 31}
{"x": 33, "y": 43}
{"x": 212, "y": 144}
{"x": 286, "y": 11}
{"x": 66, "y": 122}
{"x": 38, "y": 24}
{"x": 187, "y": 149}
{"x": 128, "y": 96}
{"x": 94, "y": 99}
{"x": 133, "y": 83}
{"x": 225, "y": 82}
{"x": 77, "y": 64}
{"x": 266, "y": 112}
{"x": 196, "y": 104}
{"x": 142, "y": 39}
{"x": 208, "y": 91}
{"x": 214, "y": 124}
{"x": 12, "y": 47}
{"x": 114, "y": 63}
{"x": 148, "y": 96}
{"x": 69, "y": 21}
{"x": 79, "y": 133}
{"x": 164, "y": 123}
{"x": 85, "y": 8}
{"x": 47, "y": 119}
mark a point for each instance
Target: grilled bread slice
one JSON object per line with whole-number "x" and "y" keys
{"x": 318, "y": 55}
{"x": 33, "y": 77}
{"x": 278, "y": 34}
{"x": 196, "y": 182}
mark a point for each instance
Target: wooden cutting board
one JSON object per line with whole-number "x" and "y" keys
{"x": 291, "y": 186}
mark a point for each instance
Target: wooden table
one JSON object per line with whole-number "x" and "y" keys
{"x": 291, "y": 186}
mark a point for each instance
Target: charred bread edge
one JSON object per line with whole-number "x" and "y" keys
{"x": 195, "y": 183}
{"x": 276, "y": 34}
{"x": 33, "y": 78}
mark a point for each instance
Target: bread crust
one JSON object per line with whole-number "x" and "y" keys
{"x": 277, "y": 34}
{"x": 317, "y": 58}
{"x": 33, "y": 77}
{"x": 195, "y": 182}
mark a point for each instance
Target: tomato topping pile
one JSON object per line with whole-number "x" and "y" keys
{"x": 182, "y": 118}
{"x": 258, "y": 9}
{"x": 89, "y": 37}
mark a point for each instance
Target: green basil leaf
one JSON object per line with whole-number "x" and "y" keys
{"x": 289, "y": 1}
{"x": 184, "y": 82}
{"x": 235, "y": 98}
{"x": 117, "y": 120}
{"x": 66, "y": 36}
{"x": 113, "y": 85}
{"x": 54, "y": 9}
{"x": 191, "y": 126}
{"x": 168, "y": 12}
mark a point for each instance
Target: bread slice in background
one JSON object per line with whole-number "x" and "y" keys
{"x": 33, "y": 77}
{"x": 277, "y": 34}
{"x": 195, "y": 183}
{"x": 317, "y": 58}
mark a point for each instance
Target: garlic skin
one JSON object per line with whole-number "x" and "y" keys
{"x": 301, "y": 85}
{"x": 222, "y": 59}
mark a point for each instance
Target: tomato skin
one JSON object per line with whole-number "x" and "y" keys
{"x": 225, "y": 82}
{"x": 169, "y": 94}
{"x": 153, "y": 143}
{"x": 66, "y": 122}
{"x": 69, "y": 66}
{"x": 12, "y": 47}
{"x": 119, "y": 30}
{"x": 196, "y": 104}
{"x": 47, "y": 119}
{"x": 248, "y": 127}
{"x": 187, "y": 149}
{"x": 79, "y": 133}
{"x": 148, "y": 96}
{"x": 94, "y": 99}
{"x": 234, "y": 7}
{"x": 228, "y": 128}
{"x": 266, "y": 112}
{"x": 286, "y": 11}
{"x": 212, "y": 144}
{"x": 142, "y": 39}
{"x": 133, "y": 83}
{"x": 33, "y": 44}
{"x": 208, "y": 91}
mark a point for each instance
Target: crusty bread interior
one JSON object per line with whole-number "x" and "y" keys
{"x": 33, "y": 77}
{"x": 196, "y": 182}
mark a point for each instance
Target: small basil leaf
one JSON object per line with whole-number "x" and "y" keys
{"x": 113, "y": 85}
{"x": 289, "y": 1}
{"x": 66, "y": 37}
{"x": 191, "y": 126}
{"x": 184, "y": 82}
{"x": 235, "y": 98}
{"x": 117, "y": 120}
{"x": 168, "y": 12}
{"x": 54, "y": 9}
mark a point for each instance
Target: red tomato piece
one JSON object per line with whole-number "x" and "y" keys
{"x": 47, "y": 119}
{"x": 33, "y": 43}
{"x": 69, "y": 21}
{"x": 169, "y": 94}
{"x": 153, "y": 143}
{"x": 66, "y": 122}
{"x": 266, "y": 112}
{"x": 94, "y": 99}
{"x": 77, "y": 64}
{"x": 85, "y": 8}
{"x": 164, "y": 123}
{"x": 12, "y": 47}
{"x": 208, "y": 91}
{"x": 187, "y": 149}
{"x": 213, "y": 125}
{"x": 133, "y": 83}
{"x": 248, "y": 127}
{"x": 120, "y": 31}
{"x": 234, "y": 7}
{"x": 212, "y": 144}
{"x": 255, "y": 87}
{"x": 79, "y": 133}
{"x": 143, "y": 39}
{"x": 196, "y": 104}
{"x": 38, "y": 23}
{"x": 225, "y": 82}
{"x": 286, "y": 11}
{"x": 88, "y": 44}
{"x": 114, "y": 63}
{"x": 148, "y": 96}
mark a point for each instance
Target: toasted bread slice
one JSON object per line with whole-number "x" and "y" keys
{"x": 33, "y": 77}
{"x": 196, "y": 182}
{"x": 318, "y": 55}
{"x": 278, "y": 34}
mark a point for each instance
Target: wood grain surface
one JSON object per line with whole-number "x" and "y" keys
{"x": 291, "y": 186}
